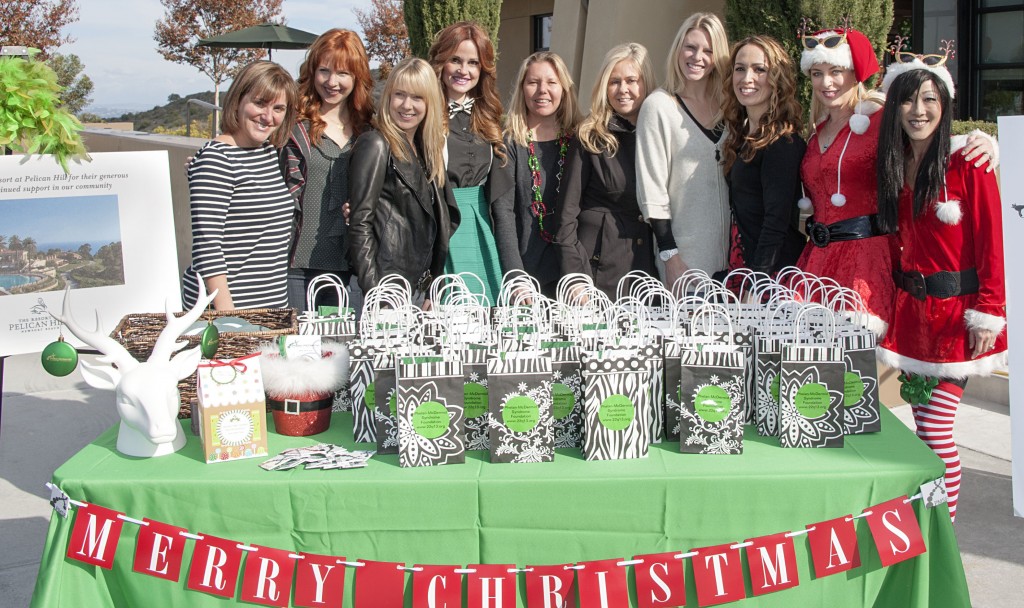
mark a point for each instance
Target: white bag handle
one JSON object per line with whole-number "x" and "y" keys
{"x": 708, "y": 311}
{"x": 323, "y": 281}
{"x": 806, "y": 309}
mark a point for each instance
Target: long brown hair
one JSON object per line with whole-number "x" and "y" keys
{"x": 783, "y": 117}
{"x": 339, "y": 49}
{"x": 485, "y": 120}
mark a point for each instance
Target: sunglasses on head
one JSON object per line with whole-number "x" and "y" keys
{"x": 829, "y": 42}
{"x": 928, "y": 60}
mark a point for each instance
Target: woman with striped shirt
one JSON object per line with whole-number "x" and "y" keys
{"x": 241, "y": 209}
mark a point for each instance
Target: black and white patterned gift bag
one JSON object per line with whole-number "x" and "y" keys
{"x": 767, "y": 360}
{"x": 860, "y": 397}
{"x": 362, "y": 392}
{"x": 743, "y": 340}
{"x": 386, "y": 401}
{"x": 811, "y": 392}
{"x": 712, "y": 391}
{"x": 430, "y": 411}
{"x": 475, "y": 391}
{"x": 653, "y": 356}
{"x": 616, "y": 404}
{"x": 566, "y": 393}
{"x": 519, "y": 397}
{"x": 672, "y": 407}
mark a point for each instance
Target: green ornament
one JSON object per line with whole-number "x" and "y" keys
{"x": 59, "y": 358}
{"x": 209, "y": 341}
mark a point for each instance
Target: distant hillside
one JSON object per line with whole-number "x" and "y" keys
{"x": 169, "y": 117}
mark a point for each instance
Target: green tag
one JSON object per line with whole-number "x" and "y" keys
{"x": 431, "y": 420}
{"x": 562, "y": 400}
{"x": 370, "y": 397}
{"x": 475, "y": 397}
{"x": 422, "y": 359}
{"x": 616, "y": 413}
{"x": 853, "y": 389}
{"x": 393, "y": 404}
{"x": 520, "y": 414}
{"x": 712, "y": 403}
{"x": 326, "y": 311}
{"x": 811, "y": 400}
{"x": 557, "y": 344}
{"x": 775, "y": 387}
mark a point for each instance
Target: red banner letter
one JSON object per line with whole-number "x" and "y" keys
{"x": 550, "y": 587}
{"x": 267, "y": 578}
{"x": 492, "y": 586}
{"x": 158, "y": 550}
{"x": 319, "y": 581}
{"x": 436, "y": 587}
{"x": 214, "y": 568}
{"x": 660, "y": 582}
{"x": 602, "y": 584}
{"x": 95, "y": 536}
{"x": 833, "y": 546}
{"x": 896, "y": 531}
{"x": 718, "y": 573}
{"x": 380, "y": 585}
{"x": 772, "y": 562}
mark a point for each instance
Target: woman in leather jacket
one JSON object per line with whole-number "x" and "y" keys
{"x": 401, "y": 212}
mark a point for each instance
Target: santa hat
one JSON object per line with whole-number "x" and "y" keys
{"x": 854, "y": 54}
{"x": 896, "y": 68}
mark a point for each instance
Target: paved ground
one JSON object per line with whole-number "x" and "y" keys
{"x": 46, "y": 420}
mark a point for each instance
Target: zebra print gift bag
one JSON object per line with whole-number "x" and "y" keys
{"x": 362, "y": 392}
{"x": 566, "y": 393}
{"x": 616, "y": 405}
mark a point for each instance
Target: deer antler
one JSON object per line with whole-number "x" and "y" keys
{"x": 113, "y": 352}
{"x": 844, "y": 23}
{"x": 167, "y": 344}
{"x": 805, "y": 27}
{"x": 947, "y": 49}
{"x": 898, "y": 42}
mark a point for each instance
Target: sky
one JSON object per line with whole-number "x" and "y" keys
{"x": 114, "y": 39}
{"x": 82, "y": 219}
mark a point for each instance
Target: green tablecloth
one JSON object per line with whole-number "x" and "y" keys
{"x": 548, "y": 513}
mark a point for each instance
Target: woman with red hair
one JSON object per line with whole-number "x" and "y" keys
{"x": 335, "y": 106}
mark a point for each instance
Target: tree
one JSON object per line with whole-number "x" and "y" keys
{"x": 37, "y": 23}
{"x": 387, "y": 39}
{"x": 425, "y": 18}
{"x": 14, "y": 243}
{"x": 29, "y": 245}
{"x": 780, "y": 19}
{"x": 3, "y": 241}
{"x": 85, "y": 251}
{"x": 186, "y": 22}
{"x": 76, "y": 86}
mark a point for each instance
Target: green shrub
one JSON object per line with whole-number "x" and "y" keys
{"x": 425, "y": 18}
{"x": 963, "y": 127}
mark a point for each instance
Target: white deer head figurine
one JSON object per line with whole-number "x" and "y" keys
{"x": 146, "y": 393}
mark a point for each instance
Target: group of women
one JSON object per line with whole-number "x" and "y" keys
{"x": 709, "y": 172}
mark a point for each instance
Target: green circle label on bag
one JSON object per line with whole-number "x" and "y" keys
{"x": 616, "y": 413}
{"x": 562, "y": 400}
{"x": 430, "y": 420}
{"x": 370, "y": 397}
{"x": 393, "y": 404}
{"x": 712, "y": 403}
{"x": 475, "y": 397}
{"x": 775, "y": 387}
{"x": 811, "y": 400}
{"x": 520, "y": 414}
{"x": 853, "y": 389}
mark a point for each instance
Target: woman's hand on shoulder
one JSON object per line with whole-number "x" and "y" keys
{"x": 982, "y": 147}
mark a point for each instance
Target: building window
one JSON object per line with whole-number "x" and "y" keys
{"x": 541, "y": 33}
{"x": 999, "y": 58}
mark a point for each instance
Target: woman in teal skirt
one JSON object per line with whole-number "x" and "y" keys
{"x": 463, "y": 59}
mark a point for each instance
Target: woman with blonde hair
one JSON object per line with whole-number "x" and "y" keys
{"x": 464, "y": 60}
{"x": 762, "y": 153}
{"x": 401, "y": 215}
{"x": 542, "y": 118}
{"x": 601, "y": 232}
{"x": 679, "y": 132}
{"x": 336, "y": 106}
{"x": 241, "y": 210}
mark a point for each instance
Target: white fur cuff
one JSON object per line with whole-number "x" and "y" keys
{"x": 975, "y": 319}
{"x": 285, "y": 378}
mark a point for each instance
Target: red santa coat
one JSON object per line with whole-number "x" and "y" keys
{"x": 864, "y": 265}
{"x": 965, "y": 231}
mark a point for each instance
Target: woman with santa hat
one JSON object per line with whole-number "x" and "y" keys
{"x": 949, "y": 315}
{"x": 838, "y": 171}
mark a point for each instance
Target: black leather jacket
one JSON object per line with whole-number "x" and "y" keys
{"x": 399, "y": 221}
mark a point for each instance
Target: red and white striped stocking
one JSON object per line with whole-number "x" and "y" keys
{"x": 935, "y": 427}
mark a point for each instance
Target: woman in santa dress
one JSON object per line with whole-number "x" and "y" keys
{"x": 949, "y": 314}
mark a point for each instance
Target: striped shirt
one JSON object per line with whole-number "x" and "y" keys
{"x": 241, "y": 224}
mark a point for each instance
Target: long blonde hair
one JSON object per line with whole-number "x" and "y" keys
{"x": 416, "y": 77}
{"x": 593, "y": 132}
{"x": 568, "y": 113}
{"x": 675, "y": 81}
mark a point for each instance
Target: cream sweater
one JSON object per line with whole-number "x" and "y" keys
{"x": 678, "y": 177}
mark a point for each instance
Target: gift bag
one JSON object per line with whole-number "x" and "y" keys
{"x": 519, "y": 396}
{"x": 672, "y": 406}
{"x": 767, "y": 361}
{"x": 385, "y": 393}
{"x": 712, "y": 394}
{"x": 475, "y": 398}
{"x": 860, "y": 395}
{"x": 430, "y": 411}
{"x": 232, "y": 409}
{"x": 336, "y": 321}
{"x": 566, "y": 393}
{"x": 616, "y": 405}
{"x": 362, "y": 392}
{"x": 811, "y": 387}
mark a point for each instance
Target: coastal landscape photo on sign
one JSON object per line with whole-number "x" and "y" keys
{"x": 105, "y": 229}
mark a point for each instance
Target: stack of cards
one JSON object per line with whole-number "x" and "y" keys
{"x": 323, "y": 456}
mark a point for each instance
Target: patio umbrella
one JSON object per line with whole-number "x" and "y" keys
{"x": 264, "y": 36}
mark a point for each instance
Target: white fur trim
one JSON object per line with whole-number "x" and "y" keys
{"x": 868, "y": 320}
{"x": 896, "y": 69}
{"x": 285, "y": 378}
{"x": 949, "y": 212}
{"x": 975, "y": 319}
{"x": 982, "y": 366}
{"x": 838, "y": 199}
{"x": 859, "y": 123}
{"x": 957, "y": 142}
{"x": 839, "y": 56}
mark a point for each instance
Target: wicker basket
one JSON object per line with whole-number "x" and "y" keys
{"x": 138, "y": 333}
